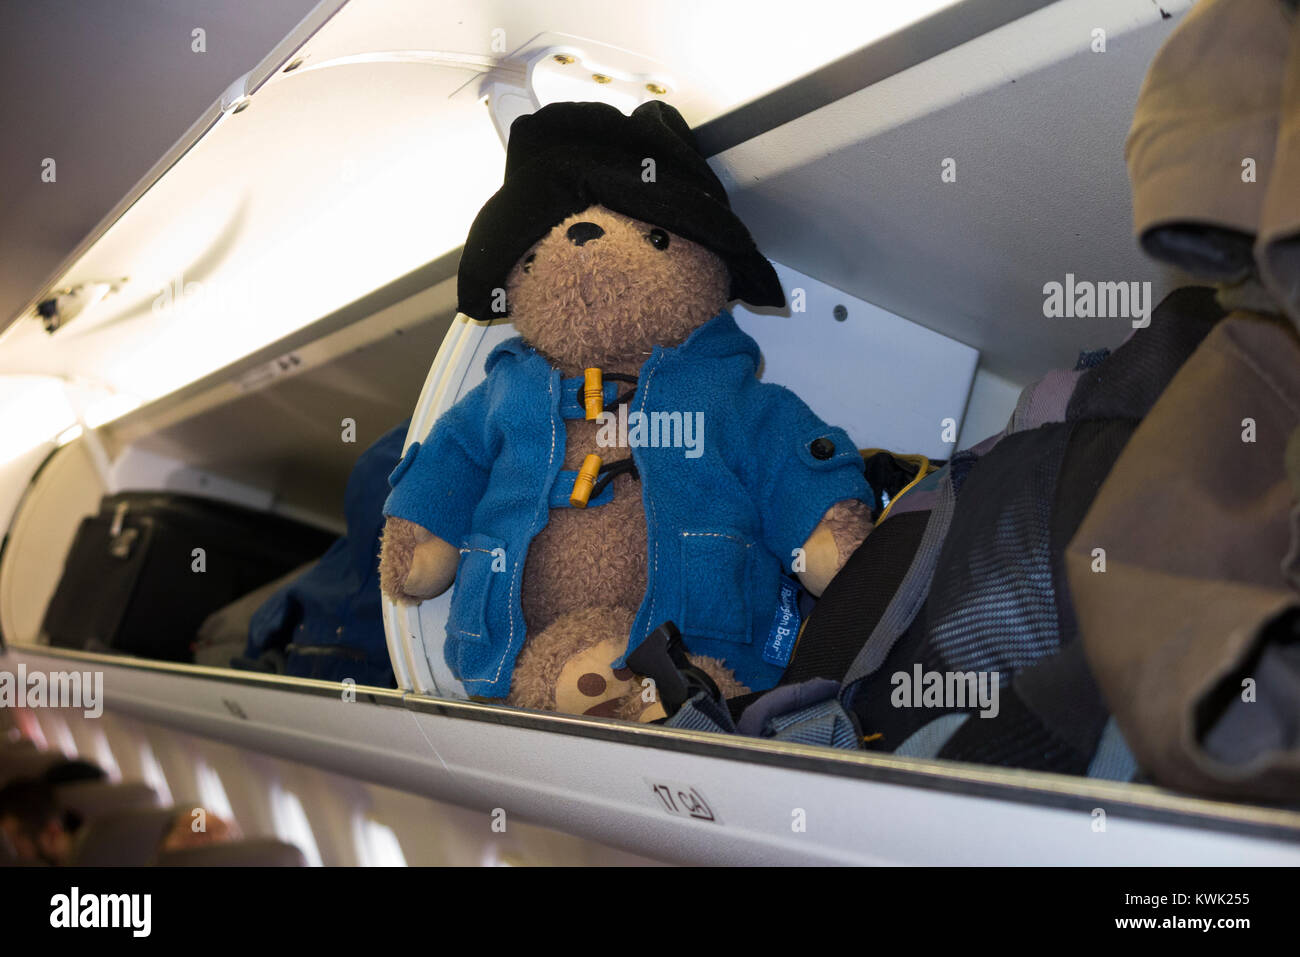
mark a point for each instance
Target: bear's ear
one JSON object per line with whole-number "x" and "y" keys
{"x": 525, "y": 262}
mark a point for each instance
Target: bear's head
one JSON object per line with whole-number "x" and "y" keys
{"x": 610, "y": 235}
{"x": 603, "y": 289}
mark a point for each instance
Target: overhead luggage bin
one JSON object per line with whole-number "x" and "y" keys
{"x": 634, "y": 786}
{"x": 290, "y": 267}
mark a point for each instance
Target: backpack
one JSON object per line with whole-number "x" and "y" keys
{"x": 966, "y": 577}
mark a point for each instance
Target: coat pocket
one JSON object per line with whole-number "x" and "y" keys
{"x": 481, "y": 578}
{"x": 716, "y": 572}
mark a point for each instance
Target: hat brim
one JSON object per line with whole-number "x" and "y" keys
{"x": 553, "y": 184}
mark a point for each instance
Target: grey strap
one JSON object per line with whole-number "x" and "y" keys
{"x": 911, "y": 594}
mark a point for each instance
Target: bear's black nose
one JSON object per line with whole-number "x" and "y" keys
{"x": 580, "y": 233}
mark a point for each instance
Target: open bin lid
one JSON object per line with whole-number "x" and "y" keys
{"x": 361, "y": 149}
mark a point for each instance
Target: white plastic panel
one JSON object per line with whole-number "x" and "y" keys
{"x": 608, "y": 791}
{"x": 1033, "y": 120}
{"x": 40, "y": 534}
{"x": 415, "y": 632}
{"x": 992, "y": 400}
{"x": 599, "y": 780}
{"x": 888, "y": 382}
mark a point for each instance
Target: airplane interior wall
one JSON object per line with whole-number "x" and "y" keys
{"x": 565, "y": 433}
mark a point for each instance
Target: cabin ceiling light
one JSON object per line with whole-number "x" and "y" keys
{"x": 34, "y": 410}
{"x": 43, "y": 409}
{"x": 110, "y": 407}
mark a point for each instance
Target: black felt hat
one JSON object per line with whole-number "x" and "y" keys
{"x": 568, "y": 156}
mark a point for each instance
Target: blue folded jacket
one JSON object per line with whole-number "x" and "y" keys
{"x": 329, "y": 622}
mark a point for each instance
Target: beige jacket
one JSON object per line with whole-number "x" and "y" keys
{"x": 1183, "y": 570}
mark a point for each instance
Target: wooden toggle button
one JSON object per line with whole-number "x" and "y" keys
{"x": 593, "y": 393}
{"x": 582, "y": 485}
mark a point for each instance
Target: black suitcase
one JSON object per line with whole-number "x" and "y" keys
{"x": 131, "y": 582}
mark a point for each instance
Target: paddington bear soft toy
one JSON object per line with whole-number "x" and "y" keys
{"x": 621, "y": 465}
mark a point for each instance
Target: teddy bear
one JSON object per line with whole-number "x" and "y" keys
{"x": 621, "y": 465}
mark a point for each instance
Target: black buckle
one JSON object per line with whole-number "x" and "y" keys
{"x": 662, "y": 658}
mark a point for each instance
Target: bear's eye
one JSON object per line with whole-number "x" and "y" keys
{"x": 658, "y": 239}
{"x": 528, "y": 262}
